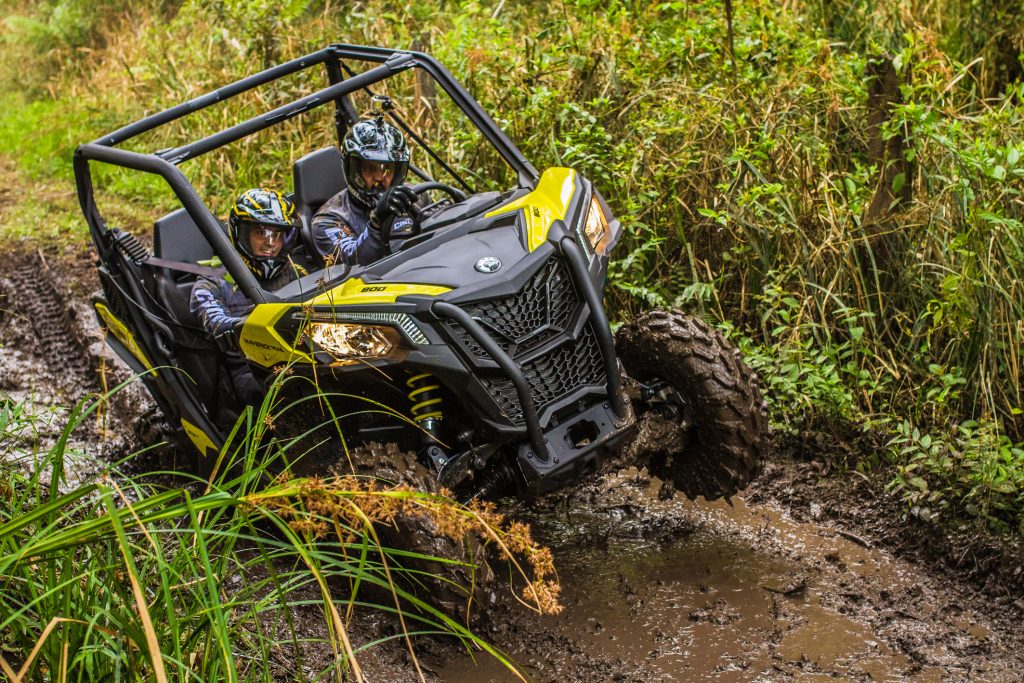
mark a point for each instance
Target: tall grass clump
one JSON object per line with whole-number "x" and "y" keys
{"x": 239, "y": 577}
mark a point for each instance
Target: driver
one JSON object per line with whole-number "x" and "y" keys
{"x": 352, "y": 225}
{"x": 262, "y": 224}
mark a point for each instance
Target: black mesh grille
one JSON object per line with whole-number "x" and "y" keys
{"x": 552, "y": 376}
{"x": 533, "y": 316}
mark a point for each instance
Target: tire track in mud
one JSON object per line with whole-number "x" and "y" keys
{"x": 35, "y": 298}
{"x": 53, "y": 357}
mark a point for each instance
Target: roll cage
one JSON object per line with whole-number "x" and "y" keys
{"x": 343, "y": 81}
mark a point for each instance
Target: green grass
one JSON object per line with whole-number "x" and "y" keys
{"x": 126, "y": 578}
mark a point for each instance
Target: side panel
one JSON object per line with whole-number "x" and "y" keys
{"x": 122, "y": 334}
{"x": 197, "y": 436}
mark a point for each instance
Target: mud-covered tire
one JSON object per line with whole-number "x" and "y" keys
{"x": 464, "y": 589}
{"x": 721, "y": 450}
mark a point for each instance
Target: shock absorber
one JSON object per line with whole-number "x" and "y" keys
{"x": 424, "y": 394}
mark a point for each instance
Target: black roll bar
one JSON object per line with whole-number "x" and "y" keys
{"x": 393, "y": 61}
{"x": 163, "y": 163}
{"x": 186, "y": 194}
{"x": 444, "y": 309}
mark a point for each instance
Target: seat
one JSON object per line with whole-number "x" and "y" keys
{"x": 176, "y": 237}
{"x": 318, "y": 176}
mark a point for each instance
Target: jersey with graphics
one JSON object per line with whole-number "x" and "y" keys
{"x": 341, "y": 231}
{"x": 219, "y": 303}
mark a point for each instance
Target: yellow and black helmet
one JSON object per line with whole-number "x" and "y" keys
{"x": 270, "y": 213}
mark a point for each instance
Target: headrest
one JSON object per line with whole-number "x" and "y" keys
{"x": 318, "y": 176}
{"x": 176, "y": 237}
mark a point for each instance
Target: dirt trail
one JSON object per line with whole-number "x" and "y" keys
{"x": 805, "y": 578}
{"x": 52, "y": 356}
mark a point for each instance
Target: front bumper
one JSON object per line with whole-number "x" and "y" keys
{"x": 565, "y": 391}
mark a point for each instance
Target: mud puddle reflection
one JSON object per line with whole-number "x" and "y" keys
{"x": 680, "y": 591}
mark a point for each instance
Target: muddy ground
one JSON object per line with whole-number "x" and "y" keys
{"x": 814, "y": 574}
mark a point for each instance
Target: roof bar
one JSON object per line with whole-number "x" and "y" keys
{"x": 219, "y": 95}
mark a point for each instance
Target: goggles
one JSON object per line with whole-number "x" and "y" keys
{"x": 385, "y": 168}
{"x": 270, "y": 233}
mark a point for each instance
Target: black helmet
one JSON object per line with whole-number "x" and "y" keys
{"x": 261, "y": 209}
{"x": 374, "y": 140}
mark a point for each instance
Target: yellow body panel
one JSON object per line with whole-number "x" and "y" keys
{"x": 262, "y": 344}
{"x": 198, "y": 437}
{"x": 356, "y": 292}
{"x": 548, "y": 202}
{"x": 123, "y": 335}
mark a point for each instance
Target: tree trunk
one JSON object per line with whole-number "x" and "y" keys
{"x": 887, "y": 155}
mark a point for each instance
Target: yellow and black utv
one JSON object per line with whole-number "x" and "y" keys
{"x": 480, "y": 342}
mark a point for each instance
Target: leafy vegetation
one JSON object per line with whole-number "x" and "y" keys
{"x": 151, "y": 577}
{"x": 837, "y": 184}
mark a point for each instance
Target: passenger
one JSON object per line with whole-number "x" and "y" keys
{"x": 349, "y": 227}
{"x": 263, "y": 228}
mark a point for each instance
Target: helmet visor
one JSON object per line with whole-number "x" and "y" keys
{"x": 376, "y": 176}
{"x": 263, "y": 240}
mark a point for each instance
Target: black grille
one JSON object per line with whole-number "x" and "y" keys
{"x": 552, "y": 376}
{"x": 543, "y": 309}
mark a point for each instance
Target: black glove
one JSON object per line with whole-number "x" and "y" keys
{"x": 395, "y": 201}
{"x": 227, "y": 338}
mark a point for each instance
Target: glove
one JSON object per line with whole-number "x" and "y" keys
{"x": 227, "y": 338}
{"x": 395, "y": 200}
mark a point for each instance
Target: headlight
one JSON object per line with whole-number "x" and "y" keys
{"x": 353, "y": 343}
{"x": 596, "y": 227}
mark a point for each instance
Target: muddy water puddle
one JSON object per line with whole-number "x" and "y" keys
{"x": 733, "y": 594}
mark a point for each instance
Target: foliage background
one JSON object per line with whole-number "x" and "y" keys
{"x": 732, "y": 139}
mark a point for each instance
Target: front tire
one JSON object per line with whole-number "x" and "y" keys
{"x": 709, "y": 436}
{"x": 463, "y": 588}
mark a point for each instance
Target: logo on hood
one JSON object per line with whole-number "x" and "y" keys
{"x": 488, "y": 264}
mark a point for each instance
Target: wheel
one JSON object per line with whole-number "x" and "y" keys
{"x": 705, "y": 428}
{"x": 462, "y": 591}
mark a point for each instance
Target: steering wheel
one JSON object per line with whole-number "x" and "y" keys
{"x": 418, "y": 214}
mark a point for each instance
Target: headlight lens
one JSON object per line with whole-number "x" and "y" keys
{"x": 353, "y": 343}
{"x": 596, "y": 227}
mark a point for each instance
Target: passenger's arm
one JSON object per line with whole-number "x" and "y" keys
{"x": 208, "y": 303}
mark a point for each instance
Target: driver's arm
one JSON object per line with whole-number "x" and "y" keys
{"x": 335, "y": 239}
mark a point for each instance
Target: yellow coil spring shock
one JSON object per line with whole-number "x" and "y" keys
{"x": 426, "y": 404}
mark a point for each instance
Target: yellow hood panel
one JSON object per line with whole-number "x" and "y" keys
{"x": 548, "y": 202}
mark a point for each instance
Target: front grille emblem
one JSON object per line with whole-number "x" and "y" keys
{"x": 488, "y": 264}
